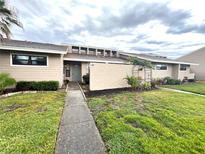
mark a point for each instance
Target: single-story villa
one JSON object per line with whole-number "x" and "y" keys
{"x": 32, "y": 61}
{"x": 197, "y": 56}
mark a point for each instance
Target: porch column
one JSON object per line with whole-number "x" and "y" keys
{"x": 96, "y": 52}
{"x": 104, "y": 53}
{"x": 87, "y": 51}
{"x": 79, "y": 50}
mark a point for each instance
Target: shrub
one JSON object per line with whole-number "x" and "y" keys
{"x": 156, "y": 82}
{"x": 86, "y": 78}
{"x": 191, "y": 80}
{"x": 6, "y": 81}
{"x": 39, "y": 86}
{"x": 24, "y": 85}
{"x": 133, "y": 81}
{"x": 170, "y": 81}
{"x": 146, "y": 85}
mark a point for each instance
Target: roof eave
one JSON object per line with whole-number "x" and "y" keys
{"x": 161, "y": 61}
{"x": 32, "y": 50}
{"x": 97, "y": 61}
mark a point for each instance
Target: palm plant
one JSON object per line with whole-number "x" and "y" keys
{"x": 7, "y": 18}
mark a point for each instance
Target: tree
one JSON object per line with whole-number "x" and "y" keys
{"x": 5, "y": 81}
{"x": 141, "y": 62}
{"x": 7, "y": 19}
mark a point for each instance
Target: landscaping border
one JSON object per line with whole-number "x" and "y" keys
{"x": 14, "y": 93}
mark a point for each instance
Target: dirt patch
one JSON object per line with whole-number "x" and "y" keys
{"x": 42, "y": 109}
{"x": 139, "y": 104}
{"x": 112, "y": 92}
{"x": 13, "y": 107}
{"x": 106, "y": 92}
{"x": 134, "y": 124}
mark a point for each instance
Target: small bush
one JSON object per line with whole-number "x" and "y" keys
{"x": 133, "y": 81}
{"x": 6, "y": 81}
{"x": 146, "y": 86}
{"x": 86, "y": 78}
{"x": 156, "y": 82}
{"x": 170, "y": 81}
{"x": 24, "y": 85}
{"x": 191, "y": 80}
{"x": 39, "y": 86}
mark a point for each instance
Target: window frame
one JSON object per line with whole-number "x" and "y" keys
{"x": 161, "y": 69}
{"x": 25, "y": 54}
{"x": 183, "y": 69}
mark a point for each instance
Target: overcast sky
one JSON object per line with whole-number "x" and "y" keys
{"x": 167, "y": 27}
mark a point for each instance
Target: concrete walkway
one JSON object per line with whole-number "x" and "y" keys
{"x": 181, "y": 91}
{"x": 78, "y": 133}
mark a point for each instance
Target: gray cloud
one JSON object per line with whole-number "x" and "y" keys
{"x": 184, "y": 28}
{"x": 163, "y": 43}
{"x": 136, "y": 15}
{"x": 42, "y": 24}
{"x": 142, "y": 49}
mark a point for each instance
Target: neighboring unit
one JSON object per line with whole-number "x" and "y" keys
{"x": 31, "y": 61}
{"x": 197, "y": 56}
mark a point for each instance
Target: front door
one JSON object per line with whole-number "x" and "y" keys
{"x": 76, "y": 72}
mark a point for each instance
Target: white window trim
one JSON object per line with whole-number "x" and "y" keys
{"x": 38, "y": 66}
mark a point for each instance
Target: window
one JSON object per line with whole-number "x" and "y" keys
{"x": 114, "y": 53}
{"x": 83, "y": 51}
{"x": 75, "y": 49}
{"x": 67, "y": 70}
{"x": 67, "y": 73}
{"x": 183, "y": 67}
{"x": 161, "y": 67}
{"x": 92, "y": 51}
{"x": 99, "y": 52}
{"x": 107, "y": 52}
{"x": 20, "y": 59}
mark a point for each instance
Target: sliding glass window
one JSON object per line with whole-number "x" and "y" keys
{"x": 20, "y": 59}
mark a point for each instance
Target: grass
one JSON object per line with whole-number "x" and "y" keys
{"x": 29, "y": 122}
{"x": 151, "y": 122}
{"x": 195, "y": 87}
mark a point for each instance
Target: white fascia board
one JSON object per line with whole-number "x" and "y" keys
{"x": 32, "y": 50}
{"x": 161, "y": 61}
{"x": 91, "y": 60}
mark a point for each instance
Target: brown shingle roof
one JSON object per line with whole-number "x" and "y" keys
{"x": 94, "y": 58}
{"x": 32, "y": 45}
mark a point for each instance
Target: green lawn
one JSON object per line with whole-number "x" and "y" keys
{"x": 196, "y": 87}
{"x": 29, "y": 122}
{"x": 151, "y": 122}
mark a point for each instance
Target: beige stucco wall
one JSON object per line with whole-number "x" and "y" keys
{"x": 108, "y": 76}
{"x": 175, "y": 71}
{"x": 54, "y": 71}
{"x": 162, "y": 73}
{"x": 84, "y": 69}
{"x": 197, "y": 57}
{"x": 186, "y": 74}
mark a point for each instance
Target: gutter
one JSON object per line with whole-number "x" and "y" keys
{"x": 33, "y": 50}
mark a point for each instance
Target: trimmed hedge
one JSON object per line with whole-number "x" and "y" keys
{"x": 170, "y": 81}
{"x": 39, "y": 86}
